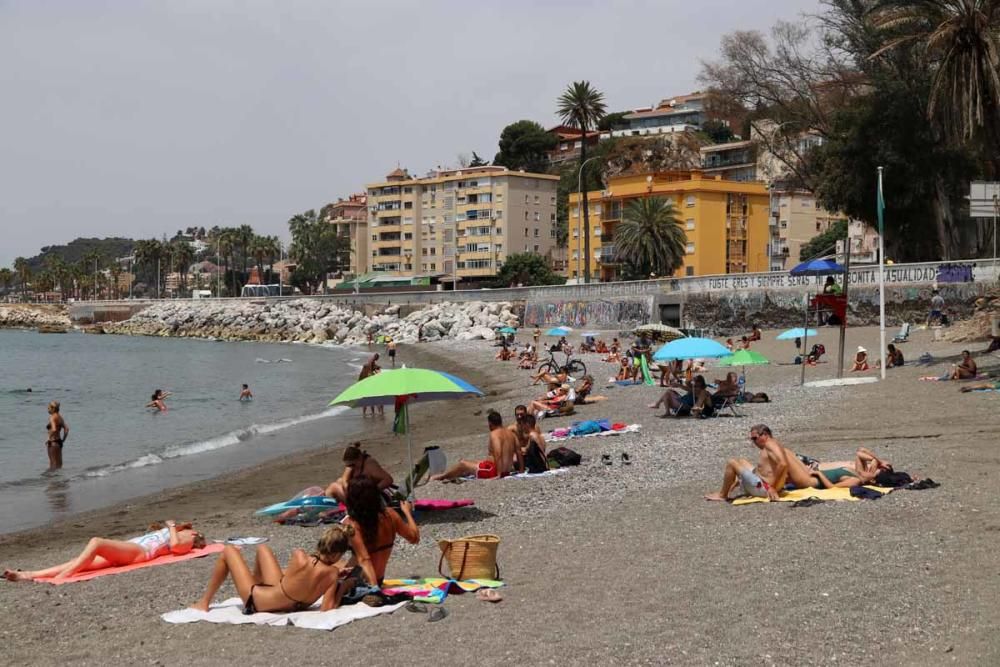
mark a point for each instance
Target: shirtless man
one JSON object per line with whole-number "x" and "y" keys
{"x": 358, "y": 463}
{"x": 966, "y": 369}
{"x": 503, "y": 452}
{"x": 534, "y": 452}
{"x": 696, "y": 401}
{"x": 519, "y": 412}
{"x": 245, "y": 393}
{"x": 762, "y": 481}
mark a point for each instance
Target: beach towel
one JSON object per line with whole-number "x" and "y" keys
{"x": 947, "y": 378}
{"x": 434, "y": 590}
{"x": 564, "y": 434}
{"x": 821, "y": 494}
{"x": 242, "y": 541}
{"x": 534, "y": 475}
{"x": 162, "y": 560}
{"x": 231, "y": 612}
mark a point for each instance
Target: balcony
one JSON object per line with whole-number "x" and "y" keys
{"x": 607, "y": 254}
{"x": 610, "y": 213}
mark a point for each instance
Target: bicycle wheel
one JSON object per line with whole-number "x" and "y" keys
{"x": 576, "y": 368}
{"x": 549, "y": 367}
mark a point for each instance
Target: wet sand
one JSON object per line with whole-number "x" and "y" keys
{"x": 604, "y": 564}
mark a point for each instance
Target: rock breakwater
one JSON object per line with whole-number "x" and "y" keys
{"x": 30, "y": 316}
{"x": 313, "y": 321}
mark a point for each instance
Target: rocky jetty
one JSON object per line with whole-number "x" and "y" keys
{"x": 31, "y": 316}
{"x": 315, "y": 321}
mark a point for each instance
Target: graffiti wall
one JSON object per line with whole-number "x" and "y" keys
{"x": 598, "y": 313}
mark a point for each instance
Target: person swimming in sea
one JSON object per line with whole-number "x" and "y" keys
{"x": 157, "y": 400}
{"x": 245, "y": 393}
{"x": 58, "y": 431}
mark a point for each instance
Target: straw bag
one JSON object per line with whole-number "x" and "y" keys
{"x": 471, "y": 557}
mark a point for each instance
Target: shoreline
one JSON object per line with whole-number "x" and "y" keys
{"x": 270, "y": 477}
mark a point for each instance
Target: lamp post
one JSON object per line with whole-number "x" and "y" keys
{"x": 579, "y": 204}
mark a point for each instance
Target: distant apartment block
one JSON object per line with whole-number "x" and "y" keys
{"x": 676, "y": 114}
{"x": 570, "y": 144}
{"x": 459, "y": 224}
{"x": 350, "y": 217}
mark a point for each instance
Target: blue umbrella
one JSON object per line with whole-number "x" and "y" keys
{"x": 508, "y": 330}
{"x": 691, "y": 348}
{"x": 792, "y": 334}
{"x": 558, "y": 331}
{"x": 590, "y": 334}
{"x": 817, "y": 267}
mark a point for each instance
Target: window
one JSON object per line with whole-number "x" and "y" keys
{"x": 689, "y": 201}
{"x": 536, "y": 248}
{"x": 498, "y": 213}
{"x": 784, "y": 224}
{"x": 689, "y": 270}
{"x": 536, "y": 232}
{"x": 423, "y": 251}
{"x": 527, "y": 198}
{"x": 689, "y": 224}
{"x": 574, "y": 212}
{"x": 525, "y": 215}
{"x": 499, "y": 196}
{"x": 552, "y": 218}
{"x": 499, "y": 231}
{"x": 595, "y": 208}
{"x": 690, "y": 248}
{"x": 433, "y": 250}
{"x": 433, "y": 266}
{"x": 407, "y": 236}
{"x": 407, "y": 190}
{"x": 553, "y": 200}
{"x": 538, "y": 216}
{"x": 818, "y": 225}
{"x": 374, "y": 237}
{"x": 525, "y": 234}
{"x": 576, "y": 254}
{"x": 538, "y": 199}
{"x": 576, "y": 233}
{"x": 407, "y": 204}
{"x": 598, "y": 231}
{"x": 552, "y": 233}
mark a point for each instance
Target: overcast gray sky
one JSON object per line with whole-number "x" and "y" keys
{"x": 138, "y": 118}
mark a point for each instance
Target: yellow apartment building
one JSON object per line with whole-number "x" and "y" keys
{"x": 459, "y": 223}
{"x": 726, "y": 223}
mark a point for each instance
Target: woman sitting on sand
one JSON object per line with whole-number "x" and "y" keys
{"x": 358, "y": 463}
{"x": 101, "y": 552}
{"x": 624, "y": 369}
{"x": 601, "y": 347}
{"x": 583, "y": 396}
{"x": 553, "y": 400}
{"x": 860, "y": 360}
{"x": 377, "y": 526}
{"x": 268, "y": 588}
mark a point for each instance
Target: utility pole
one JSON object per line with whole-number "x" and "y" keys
{"x": 847, "y": 303}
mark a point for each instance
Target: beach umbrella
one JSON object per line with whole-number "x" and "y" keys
{"x": 403, "y": 386}
{"x": 745, "y": 358}
{"x": 799, "y": 332}
{"x": 817, "y": 267}
{"x": 691, "y": 348}
{"x": 558, "y": 331}
{"x": 589, "y": 334}
{"x": 508, "y": 330}
{"x": 659, "y": 332}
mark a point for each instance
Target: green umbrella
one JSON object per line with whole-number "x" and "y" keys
{"x": 401, "y": 387}
{"x": 745, "y": 358}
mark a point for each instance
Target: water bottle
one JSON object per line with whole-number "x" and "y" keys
{"x": 741, "y": 382}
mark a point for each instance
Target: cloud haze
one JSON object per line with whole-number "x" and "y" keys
{"x": 137, "y": 118}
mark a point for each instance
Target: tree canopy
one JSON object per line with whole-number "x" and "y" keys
{"x": 317, "y": 251}
{"x": 525, "y": 145}
{"x": 825, "y": 243}
{"x": 527, "y": 269}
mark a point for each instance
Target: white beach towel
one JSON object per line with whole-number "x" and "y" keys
{"x": 533, "y": 475}
{"x": 231, "y": 611}
{"x": 631, "y": 428}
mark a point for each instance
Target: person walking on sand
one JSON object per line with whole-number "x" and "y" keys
{"x": 58, "y": 431}
{"x": 764, "y": 480}
{"x": 502, "y": 454}
{"x": 245, "y": 393}
{"x": 101, "y": 553}
{"x": 370, "y": 368}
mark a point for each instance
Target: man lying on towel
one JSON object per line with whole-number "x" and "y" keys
{"x": 502, "y": 453}
{"x": 763, "y": 480}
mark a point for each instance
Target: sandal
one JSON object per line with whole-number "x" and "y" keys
{"x": 437, "y": 614}
{"x": 626, "y": 459}
{"x": 489, "y": 595}
{"x": 606, "y": 459}
{"x": 417, "y": 607}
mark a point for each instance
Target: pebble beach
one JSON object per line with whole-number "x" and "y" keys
{"x": 603, "y": 564}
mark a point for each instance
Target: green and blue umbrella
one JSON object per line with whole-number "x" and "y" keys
{"x": 403, "y": 386}
{"x": 745, "y": 358}
{"x": 691, "y": 348}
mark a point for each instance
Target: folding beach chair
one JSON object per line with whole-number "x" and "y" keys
{"x": 727, "y": 403}
{"x": 904, "y": 333}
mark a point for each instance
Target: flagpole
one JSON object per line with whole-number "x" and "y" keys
{"x": 880, "y": 205}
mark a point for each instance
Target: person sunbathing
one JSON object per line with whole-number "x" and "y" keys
{"x": 553, "y": 400}
{"x": 269, "y": 588}
{"x": 836, "y": 474}
{"x": 550, "y": 379}
{"x": 697, "y": 401}
{"x": 993, "y": 385}
{"x": 358, "y": 463}
{"x": 601, "y": 347}
{"x": 624, "y": 370}
{"x": 894, "y": 357}
{"x": 860, "y": 360}
{"x": 505, "y": 353}
{"x": 754, "y": 334}
{"x": 100, "y": 552}
{"x": 377, "y": 527}
{"x": 583, "y": 396}
{"x": 966, "y": 368}
{"x": 503, "y": 455}
{"x": 761, "y": 481}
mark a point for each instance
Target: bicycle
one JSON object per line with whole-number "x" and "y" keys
{"x": 572, "y": 367}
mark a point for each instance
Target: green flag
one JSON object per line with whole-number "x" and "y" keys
{"x": 880, "y": 204}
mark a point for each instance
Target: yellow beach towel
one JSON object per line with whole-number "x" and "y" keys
{"x": 802, "y": 494}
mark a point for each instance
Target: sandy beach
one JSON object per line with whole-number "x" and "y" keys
{"x": 603, "y": 564}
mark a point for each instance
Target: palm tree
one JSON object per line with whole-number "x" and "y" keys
{"x": 23, "y": 271}
{"x": 91, "y": 264}
{"x": 582, "y": 106}
{"x": 116, "y": 272}
{"x": 6, "y": 279}
{"x": 650, "y": 237}
{"x": 960, "y": 40}
{"x": 183, "y": 255}
{"x": 264, "y": 247}
{"x": 149, "y": 253}
{"x": 245, "y": 236}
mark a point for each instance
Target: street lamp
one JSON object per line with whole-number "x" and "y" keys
{"x": 579, "y": 214}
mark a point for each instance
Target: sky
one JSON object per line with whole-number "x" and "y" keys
{"x": 136, "y": 118}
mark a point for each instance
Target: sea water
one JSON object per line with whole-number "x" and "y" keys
{"x": 118, "y": 449}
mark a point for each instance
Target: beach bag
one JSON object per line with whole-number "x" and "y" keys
{"x": 471, "y": 557}
{"x": 564, "y": 456}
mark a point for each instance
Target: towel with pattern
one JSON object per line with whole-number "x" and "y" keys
{"x": 434, "y": 590}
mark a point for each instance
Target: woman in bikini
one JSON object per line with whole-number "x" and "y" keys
{"x": 101, "y": 553}
{"x": 58, "y": 431}
{"x": 157, "y": 400}
{"x": 358, "y": 463}
{"x": 377, "y": 527}
{"x": 268, "y": 588}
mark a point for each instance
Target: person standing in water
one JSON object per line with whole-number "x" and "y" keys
{"x": 157, "y": 400}
{"x": 58, "y": 431}
{"x": 245, "y": 393}
{"x": 391, "y": 348}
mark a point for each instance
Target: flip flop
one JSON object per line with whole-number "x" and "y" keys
{"x": 417, "y": 607}
{"x": 606, "y": 459}
{"x": 626, "y": 459}
{"x": 437, "y": 615}
{"x": 489, "y": 595}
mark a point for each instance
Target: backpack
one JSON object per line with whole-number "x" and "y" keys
{"x": 534, "y": 460}
{"x": 564, "y": 456}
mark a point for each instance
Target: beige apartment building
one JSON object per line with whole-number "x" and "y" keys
{"x": 350, "y": 217}
{"x": 459, "y": 223}
{"x": 795, "y": 219}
